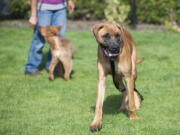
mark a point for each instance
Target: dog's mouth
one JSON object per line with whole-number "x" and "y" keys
{"x": 111, "y": 50}
{"x": 111, "y": 54}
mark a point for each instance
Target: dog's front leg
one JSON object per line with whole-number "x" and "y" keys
{"x": 54, "y": 61}
{"x": 130, "y": 81}
{"x": 96, "y": 124}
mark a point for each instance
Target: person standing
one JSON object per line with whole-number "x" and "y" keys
{"x": 43, "y": 13}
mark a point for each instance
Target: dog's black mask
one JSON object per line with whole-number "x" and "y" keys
{"x": 112, "y": 45}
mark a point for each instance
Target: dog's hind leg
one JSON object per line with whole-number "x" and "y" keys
{"x": 124, "y": 104}
{"x": 118, "y": 82}
{"x": 67, "y": 63}
{"x": 131, "y": 97}
{"x": 54, "y": 62}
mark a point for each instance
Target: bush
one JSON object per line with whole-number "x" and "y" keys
{"x": 89, "y": 9}
{"x": 19, "y": 9}
{"x": 157, "y": 11}
{"x": 148, "y": 11}
{"x": 117, "y": 11}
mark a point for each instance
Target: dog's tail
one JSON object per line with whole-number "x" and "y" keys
{"x": 138, "y": 61}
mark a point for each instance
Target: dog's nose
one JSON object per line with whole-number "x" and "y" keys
{"x": 115, "y": 48}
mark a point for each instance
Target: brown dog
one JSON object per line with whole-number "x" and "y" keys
{"x": 61, "y": 49}
{"x": 116, "y": 56}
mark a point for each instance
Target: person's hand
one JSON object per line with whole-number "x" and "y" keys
{"x": 71, "y": 6}
{"x": 32, "y": 21}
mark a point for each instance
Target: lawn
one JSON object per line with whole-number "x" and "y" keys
{"x": 36, "y": 106}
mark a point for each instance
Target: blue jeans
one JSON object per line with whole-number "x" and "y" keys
{"x": 45, "y": 17}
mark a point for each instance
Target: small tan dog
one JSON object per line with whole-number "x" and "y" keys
{"x": 61, "y": 49}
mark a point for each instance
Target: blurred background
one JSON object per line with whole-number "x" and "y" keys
{"x": 130, "y": 12}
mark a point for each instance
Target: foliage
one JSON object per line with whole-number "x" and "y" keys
{"x": 117, "y": 11}
{"x": 172, "y": 26}
{"x": 157, "y": 11}
{"x": 148, "y": 11}
{"x": 89, "y": 9}
{"x": 19, "y": 8}
{"x": 171, "y": 21}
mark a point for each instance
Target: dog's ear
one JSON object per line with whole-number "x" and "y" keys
{"x": 96, "y": 28}
{"x": 120, "y": 27}
{"x": 56, "y": 30}
{"x": 125, "y": 35}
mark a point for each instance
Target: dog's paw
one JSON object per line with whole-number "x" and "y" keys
{"x": 95, "y": 127}
{"x": 66, "y": 78}
{"x": 51, "y": 78}
{"x": 133, "y": 116}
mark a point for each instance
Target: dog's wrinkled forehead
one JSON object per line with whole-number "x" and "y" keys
{"x": 101, "y": 29}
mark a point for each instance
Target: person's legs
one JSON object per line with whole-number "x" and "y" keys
{"x": 59, "y": 18}
{"x": 35, "y": 51}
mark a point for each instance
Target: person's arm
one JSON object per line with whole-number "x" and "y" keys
{"x": 33, "y": 17}
{"x": 71, "y": 5}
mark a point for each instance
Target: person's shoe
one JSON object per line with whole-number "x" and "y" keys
{"x": 34, "y": 73}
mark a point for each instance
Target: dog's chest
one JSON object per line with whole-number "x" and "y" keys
{"x": 58, "y": 52}
{"x": 115, "y": 68}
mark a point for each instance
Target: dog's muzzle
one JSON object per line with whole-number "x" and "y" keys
{"x": 111, "y": 51}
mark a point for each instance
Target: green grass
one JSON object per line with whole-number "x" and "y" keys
{"x": 36, "y": 106}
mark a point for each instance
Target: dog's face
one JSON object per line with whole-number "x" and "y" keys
{"x": 50, "y": 31}
{"x": 109, "y": 37}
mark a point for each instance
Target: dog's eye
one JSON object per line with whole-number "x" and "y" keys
{"x": 117, "y": 35}
{"x": 106, "y": 36}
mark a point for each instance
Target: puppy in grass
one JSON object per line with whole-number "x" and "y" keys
{"x": 61, "y": 50}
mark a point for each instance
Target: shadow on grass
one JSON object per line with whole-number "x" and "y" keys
{"x": 111, "y": 105}
{"x": 43, "y": 62}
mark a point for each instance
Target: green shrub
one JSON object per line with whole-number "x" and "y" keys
{"x": 89, "y": 9}
{"x": 19, "y": 8}
{"x": 148, "y": 11}
{"x": 117, "y": 11}
{"x": 157, "y": 11}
